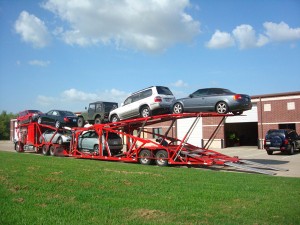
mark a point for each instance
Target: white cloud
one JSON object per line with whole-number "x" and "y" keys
{"x": 148, "y": 25}
{"x": 281, "y": 32}
{"x": 179, "y": 83}
{"x": 46, "y": 101}
{"x": 73, "y": 99}
{"x": 76, "y": 95}
{"x": 39, "y": 63}
{"x": 32, "y": 30}
{"x": 220, "y": 40}
{"x": 245, "y": 36}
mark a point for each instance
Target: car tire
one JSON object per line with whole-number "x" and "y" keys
{"x": 269, "y": 152}
{"x": 80, "y": 122}
{"x": 96, "y": 148}
{"x": 222, "y": 108}
{"x": 145, "y": 112}
{"x": 145, "y": 157}
{"x": 57, "y": 124}
{"x": 292, "y": 150}
{"x": 114, "y": 118}
{"x": 97, "y": 120}
{"x": 60, "y": 141}
{"x": 161, "y": 158}
{"x": 178, "y": 108}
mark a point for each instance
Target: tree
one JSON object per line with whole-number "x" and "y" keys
{"x": 5, "y": 124}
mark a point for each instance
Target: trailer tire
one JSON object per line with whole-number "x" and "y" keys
{"x": 19, "y": 146}
{"x": 45, "y": 150}
{"x": 145, "y": 157}
{"x": 80, "y": 122}
{"x": 161, "y": 158}
{"x": 52, "y": 150}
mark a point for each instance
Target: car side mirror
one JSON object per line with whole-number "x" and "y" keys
{"x": 85, "y": 108}
{"x": 191, "y": 96}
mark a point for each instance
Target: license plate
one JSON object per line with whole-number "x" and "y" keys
{"x": 115, "y": 142}
{"x": 268, "y": 142}
{"x": 74, "y": 120}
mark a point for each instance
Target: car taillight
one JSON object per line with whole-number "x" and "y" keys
{"x": 157, "y": 99}
{"x": 286, "y": 141}
{"x": 66, "y": 119}
{"x": 237, "y": 97}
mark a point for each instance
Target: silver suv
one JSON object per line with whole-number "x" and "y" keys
{"x": 144, "y": 103}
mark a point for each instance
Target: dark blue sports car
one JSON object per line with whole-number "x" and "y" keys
{"x": 58, "y": 118}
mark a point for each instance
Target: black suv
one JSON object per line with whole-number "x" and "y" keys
{"x": 284, "y": 140}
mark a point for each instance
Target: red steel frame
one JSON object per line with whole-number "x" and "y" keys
{"x": 166, "y": 151}
{"x": 177, "y": 152}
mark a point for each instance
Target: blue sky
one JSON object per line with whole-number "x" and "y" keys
{"x": 65, "y": 54}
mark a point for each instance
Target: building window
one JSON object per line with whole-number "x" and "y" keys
{"x": 156, "y": 131}
{"x": 287, "y": 126}
{"x": 291, "y": 106}
{"x": 267, "y": 107}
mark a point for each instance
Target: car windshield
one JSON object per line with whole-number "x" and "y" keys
{"x": 163, "y": 90}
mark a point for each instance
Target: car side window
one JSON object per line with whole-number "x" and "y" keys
{"x": 91, "y": 107}
{"x": 200, "y": 92}
{"x": 99, "y": 107}
{"x": 128, "y": 101}
{"x": 146, "y": 94}
{"x": 136, "y": 97}
{"x": 55, "y": 113}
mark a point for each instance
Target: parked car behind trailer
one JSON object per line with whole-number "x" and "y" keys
{"x": 284, "y": 140}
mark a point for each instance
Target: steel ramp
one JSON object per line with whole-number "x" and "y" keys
{"x": 263, "y": 165}
{"x": 249, "y": 168}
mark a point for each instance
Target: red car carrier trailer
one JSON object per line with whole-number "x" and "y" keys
{"x": 163, "y": 151}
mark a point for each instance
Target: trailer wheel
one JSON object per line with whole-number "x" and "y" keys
{"x": 145, "y": 157}
{"x": 45, "y": 150}
{"x": 52, "y": 150}
{"x": 161, "y": 158}
{"x": 221, "y": 108}
{"x": 19, "y": 146}
{"x": 80, "y": 122}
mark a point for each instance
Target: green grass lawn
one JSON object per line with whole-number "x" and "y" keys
{"x": 54, "y": 190}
